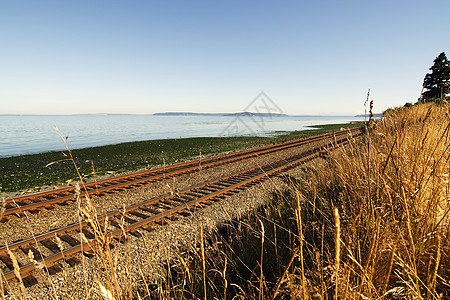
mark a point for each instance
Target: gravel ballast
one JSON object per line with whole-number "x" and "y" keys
{"x": 140, "y": 257}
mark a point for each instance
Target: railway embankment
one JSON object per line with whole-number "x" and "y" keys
{"x": 37, "y": 250}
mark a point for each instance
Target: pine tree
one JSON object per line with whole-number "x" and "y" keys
{"x": 436, "y": 83}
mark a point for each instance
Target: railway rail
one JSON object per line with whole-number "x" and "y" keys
{"x": 36, "y": 201}
{"x": 66, "y": 243}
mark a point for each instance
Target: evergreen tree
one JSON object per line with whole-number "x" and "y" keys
{"x": 438, "y": 80}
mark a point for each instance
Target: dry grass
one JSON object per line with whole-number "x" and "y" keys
{"x": 392, "y": 194}
{"x": 370, "y": 221}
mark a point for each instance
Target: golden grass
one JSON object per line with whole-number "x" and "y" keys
{"x": 371, "y": 221}
{"x": 392, "y": 192}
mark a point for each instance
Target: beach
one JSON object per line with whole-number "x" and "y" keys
{"x": 30, "y": 173}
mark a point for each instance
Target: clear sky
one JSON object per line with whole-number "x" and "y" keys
{"x": 309, "y": 57}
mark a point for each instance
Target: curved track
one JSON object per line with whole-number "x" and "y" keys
{"x": 34, "y": 202}
{"x": 66, "y": 243}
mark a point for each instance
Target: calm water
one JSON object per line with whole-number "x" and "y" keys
{"x": 35, "y": 134}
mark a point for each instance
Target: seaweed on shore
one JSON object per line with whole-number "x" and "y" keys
{"x": 30, "y": 173}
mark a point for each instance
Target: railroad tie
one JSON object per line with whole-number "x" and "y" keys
{"x": 69, "y": 240}
{"x": 150, "y": 210}
{"x": 36, "y": 254}
{"x": 138, "y": 214}
{"x": 29, "y": 281}
{"x": 7, "y": 261}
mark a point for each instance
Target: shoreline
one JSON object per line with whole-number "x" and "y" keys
{"x": 37, "y": 134}
{"x": 34, "y": 172}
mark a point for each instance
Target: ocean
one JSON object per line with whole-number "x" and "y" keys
{"x": 30, "y": 134}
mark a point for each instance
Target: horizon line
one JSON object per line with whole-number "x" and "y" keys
{"x": 182, "y": 112}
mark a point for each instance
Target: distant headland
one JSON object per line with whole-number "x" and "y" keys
{"x": 238, "y": 114}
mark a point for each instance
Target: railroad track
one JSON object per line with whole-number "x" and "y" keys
{"x": 47, "y": 199}
{"x": 65, "y": 244}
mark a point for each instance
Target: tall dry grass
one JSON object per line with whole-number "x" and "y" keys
{"x": 392, "y": 192}
{"x": 369, "y": 222}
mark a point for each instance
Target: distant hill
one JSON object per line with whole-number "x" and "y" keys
{"x": 238, "y": 114}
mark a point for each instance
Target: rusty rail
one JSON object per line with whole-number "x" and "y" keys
{"x": 36, "y": 201}
{"x": 80, "y": 237}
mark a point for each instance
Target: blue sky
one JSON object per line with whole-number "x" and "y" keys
{"x": 309, "y": 57}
